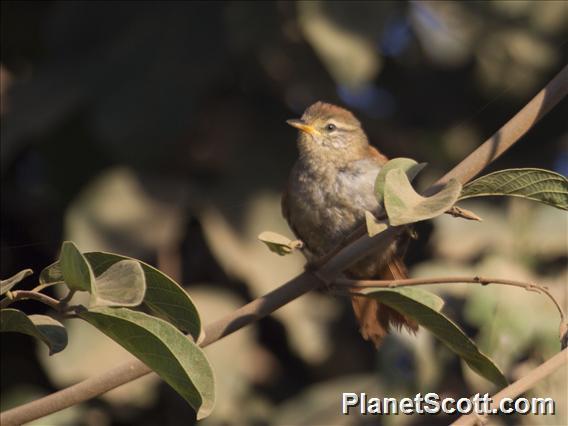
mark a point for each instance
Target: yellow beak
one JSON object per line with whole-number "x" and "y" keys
{"x": 301, "y": 125}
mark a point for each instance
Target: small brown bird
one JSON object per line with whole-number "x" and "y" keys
{"x": 330, "y": 187}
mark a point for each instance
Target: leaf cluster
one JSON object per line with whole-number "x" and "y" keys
{"x": 165, "y": 337}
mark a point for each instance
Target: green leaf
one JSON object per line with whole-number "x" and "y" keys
{"x": 425, "y": 297}
{"x": 425, "y": 313}
{"x": 408, "y": 165}
{"x": 279, "y": 243}
{"x": 76, "y": 270}
{"x": 374, "y": 226}
{"x": 122, "y": 284}
{"x": 404, "y": 205}
{"x": 7, "y": 284}
{"x": 533, "y": 184}
{"x": 163, "y": 348}
{"x": 164, "y": 297}
{"x": 42, "y": 327}
{"x": 51, "y": 274}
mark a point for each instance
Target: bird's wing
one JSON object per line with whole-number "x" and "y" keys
{"x": 377, "y": 155}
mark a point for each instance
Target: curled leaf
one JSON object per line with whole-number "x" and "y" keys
{"x": 7, "y": 284}
{"x": 408, "y": 165}
{"x": 51, "y": 274}
{"x": 164, "y": 297}
{"x": 374, "y": 226}
{"x": 404, "y": 205}
{"x": 122, "y": 284}
{"x": 42, "y": 327}
{"x": 539, "y": 185}
{"x": 279, "y": 243}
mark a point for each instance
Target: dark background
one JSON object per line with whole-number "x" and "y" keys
{"x": 157, "y": 130}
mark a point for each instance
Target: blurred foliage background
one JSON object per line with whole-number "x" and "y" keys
{"x": 156, "y": 130}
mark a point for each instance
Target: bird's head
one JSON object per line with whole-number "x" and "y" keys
{"x": 329, "y": 131}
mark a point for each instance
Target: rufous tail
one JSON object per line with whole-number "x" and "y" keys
{"x": 375, "y": 319}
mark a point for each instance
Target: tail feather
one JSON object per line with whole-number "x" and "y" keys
{"x": 375, "y": 319}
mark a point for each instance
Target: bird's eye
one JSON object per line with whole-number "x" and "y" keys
{"x": 330, "y": 127}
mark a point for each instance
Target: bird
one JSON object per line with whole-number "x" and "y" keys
{"x": 330, "y": 187}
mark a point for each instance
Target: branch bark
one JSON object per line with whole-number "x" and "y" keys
{"x": 519, "y": 387}
{"x": 490, "y": 150}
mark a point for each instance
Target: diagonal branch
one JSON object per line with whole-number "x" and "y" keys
{"x": 490, "y": 150}
{"x": 519, "y": 387}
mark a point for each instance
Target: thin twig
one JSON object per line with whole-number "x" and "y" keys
{"x": 44, "y": 286}
{"x": 451, "y": 280}
{"x": 490, "y": 150}
{"x": 29, "y": 295}
{"x": 520, "y": 386}
{"x": 67, "y": 298}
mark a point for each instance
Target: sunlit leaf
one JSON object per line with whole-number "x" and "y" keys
{"x": 533, "y": 184}
{"x": 425, "y": 297}
{"x": 42, "y": 327}
{"x": 75, "y": 269}
{"x": 408, "y": 165}
{"x": 122, "y": 284}
{"x": 7, "y": 284}
{"x": 374, "y": 226}
{"x": 404, "y": 205}
{"x": 427, "y": 314}
{"x": 164, "y": 297}
{"x": 279, "y": 243}
{"x": 163, "y": 348}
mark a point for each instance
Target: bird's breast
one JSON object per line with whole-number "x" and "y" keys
{"x": 325, "y": 206}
